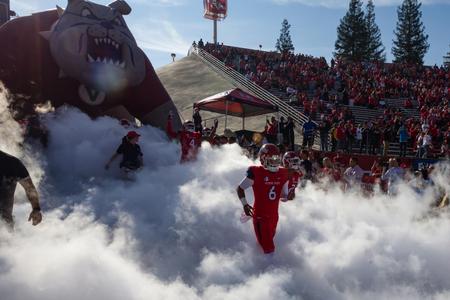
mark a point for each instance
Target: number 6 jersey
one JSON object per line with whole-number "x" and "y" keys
{"x": 268, "y": 188}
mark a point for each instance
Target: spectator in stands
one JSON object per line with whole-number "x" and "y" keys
{"x": 314, "y": 108}
{"x": 316, "y": 163}
{"x": 367, "y": 84}
{"x": 198, "y": 127}
{"x": 339, "y": 161}
{"x": 309, "y": 132}
{"x": 350, "y": 133}
{"x": 358, "y": 135}
{"x": 393, "y": 175}
{"x": 376, "y": 170}
{"x": 306, "y": 165}
{"x": 423, "y": 144}
{"x": 341, "y": 136}
{"x": 290, "y": 91}
{"x": 244, "y": 141}
{"x": 403, "y": 139}
{"x": 324, "y": 131}
{"x": 281, "y": 130}
{"x": 333, "y": 131}
{"x": 364, "y": 138}
{"x": 289, "y": 130}
{"x": 272, "y": 130}
{"x": 328, "y": 172}
{"x": 407, "y": 103}
{"x": 201, "y": 44}
{"x": 374, "y": 140}
{"x": 386, "y": 134}
{"x": 353, "y": 174}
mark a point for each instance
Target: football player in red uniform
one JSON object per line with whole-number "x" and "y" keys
{"x": 190, "y": 140}
{"x": 270, "y": 184}
{"x": 291, "y": 161}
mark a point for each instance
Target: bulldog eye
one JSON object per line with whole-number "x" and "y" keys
{"x": 118, "y": 21}
{"x": 86, "y": 13}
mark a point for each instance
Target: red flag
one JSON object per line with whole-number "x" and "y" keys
{"x": 215, "y": 9}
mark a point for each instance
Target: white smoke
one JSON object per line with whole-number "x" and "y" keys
{"x": 174, "y": 232}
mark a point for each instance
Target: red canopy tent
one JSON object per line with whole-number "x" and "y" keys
{"x": 236, "y": 103}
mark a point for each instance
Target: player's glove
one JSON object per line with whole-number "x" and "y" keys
{"x": 248, "y": 209}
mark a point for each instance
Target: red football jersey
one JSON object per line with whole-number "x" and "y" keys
{"x": 190, "y": 143}
{"x": 294, "y": 179}
{"x": 267, "y": 190}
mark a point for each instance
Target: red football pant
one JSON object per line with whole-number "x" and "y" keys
{"x": 265, "y": 229}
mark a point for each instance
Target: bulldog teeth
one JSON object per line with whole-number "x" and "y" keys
{"x": 106, "y": 60}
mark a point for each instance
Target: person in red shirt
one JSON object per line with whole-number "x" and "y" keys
{"x": 341, "y": 136}
{"x": 270, "y": 184}
{"x": 339, "y": 161}
{"x": 190, "y": 140}
{"x": 407, "y": 103}
{"x": 376, "y": 170}
{"x": 328, "y": 174}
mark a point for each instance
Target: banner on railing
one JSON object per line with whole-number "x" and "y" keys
{"x": 423, "y": 163}
{"x": 215, "y": 9}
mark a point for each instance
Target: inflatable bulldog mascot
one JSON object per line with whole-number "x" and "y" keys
{"x": 83, "y": 56}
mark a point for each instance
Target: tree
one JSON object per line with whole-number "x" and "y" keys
{"x": 284, "y": 42}
{"x": 375, "y": 48}
{"x": 447, "y": 60}
{"x": 352, "y": 34}
{"x": 411, "y": 42}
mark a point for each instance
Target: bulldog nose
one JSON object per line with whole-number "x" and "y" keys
{"x": 107, "y": 25}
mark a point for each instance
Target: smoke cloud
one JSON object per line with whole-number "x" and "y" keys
{"x": 174, "y": 232}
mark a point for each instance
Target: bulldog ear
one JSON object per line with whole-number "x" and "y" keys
{"x": 59, "y": 10}
{"x": 121, "y": 6}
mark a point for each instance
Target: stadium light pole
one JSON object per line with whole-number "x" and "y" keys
{"x": 215, "y": 32}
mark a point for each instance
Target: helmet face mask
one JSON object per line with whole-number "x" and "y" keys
{"x": 189, "y": 126}
{"x": 273, "y": 163}
{"x": 206, "y": 132}
{"x": 270, "y": 158}
{"x": 291, "y": 161}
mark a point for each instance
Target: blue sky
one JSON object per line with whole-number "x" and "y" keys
{"x": 165, "y": 26}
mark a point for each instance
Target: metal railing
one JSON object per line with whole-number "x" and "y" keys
{"x": 238, "y": 80}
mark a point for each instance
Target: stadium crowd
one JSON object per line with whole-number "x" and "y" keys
{"x": 324, "y": 92}
{"x": 321, "y": 167}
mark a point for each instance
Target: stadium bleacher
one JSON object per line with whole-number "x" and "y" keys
{"x": 367, "y": 90}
